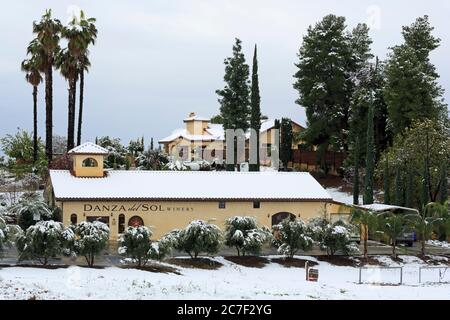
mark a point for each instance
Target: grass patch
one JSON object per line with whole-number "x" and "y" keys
{"x": 156, "y": 268}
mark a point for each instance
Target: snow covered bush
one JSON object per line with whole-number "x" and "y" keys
{"x": 159, "y": 250}
{"x": 176, "y": 165}
{"x": 30, "y": 181}
{"x": 243, "y": 234}
{"x": 29, "y": 209}
{"x": 91, "y": 239}
{"x": 198, "y": 237}
{"x": 135, "y": 244}
{"x": 291, "y": 236}
{"x": 44, "y": 240}
{"x": 151, "y": 160}
{"x": 8, "y": 234}
{"x": 332, "y": 237}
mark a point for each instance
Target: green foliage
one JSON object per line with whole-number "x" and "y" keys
{"x": 160, "y": 249}
{"x": 19, "y": 150}
{"x": 91, "y": 239}
{"x": 243, "y": 234}
{"x": 366, "y": 221}
{"x": 135, "y": 243}
{"x": 443, "y": 189}
{"x": 412, "y": 91}
{"x": 255, "y": 104}
{"x": 356, "y": 164}
{"x": 8, "y": 234}
{"x": 151, "y": 160}
{"x": 291, "y": 236}
{"x": 44, "y": 240}
{"x": 370, "y": 160}
{"x": 30, "y": 209}
{"x": 217, "y": 119}
{"x": 393, "y": 226}
{"x": 117, "y": 152}
{"x": 198, "y": 237}
{"x": 286, "y": 137}
{"x": 135, "y": 147}
{"x": 425, "y": 144}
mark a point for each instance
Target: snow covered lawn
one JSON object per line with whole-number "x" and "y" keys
{"x": 231, "y": 281}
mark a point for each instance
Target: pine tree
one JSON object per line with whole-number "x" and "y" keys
{"x": 255, "y": 101}
{"x": 412, "y": 91}
{"x": 286, "y": 141}
{"x": 443, "y": 192}
{"x": 399, "y": 201}
{"x": 387, "y": 182}
{"x": 234, "y": 97}
{"x": 356, "y": 164}
{"x": 370, "y": 160}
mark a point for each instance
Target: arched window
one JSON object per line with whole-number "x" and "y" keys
{"x": 280, "y": 216}
{"x": 73, "y": 218}
{"x": 135, "y": 221}
{"x": 121, "y": 223}
{"x": 89, "y": 162}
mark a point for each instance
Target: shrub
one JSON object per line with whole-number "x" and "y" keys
{"x": 29, "y": 209}
{"x": 44, "y": 240}
{"x": 92, "y": 239}
{"x": 243, "y": 234}
{"x": 8, "y": 234}
{"x": 332, "y": 237}
{"x": 198, "y": 237}
{"x": 135, "y": 243}
{"x": 159, "y": 250}
{"x": 291, "y": 236}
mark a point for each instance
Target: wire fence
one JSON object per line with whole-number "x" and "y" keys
{"x": 376, "y": 276}
{"x": 443, "y": 275}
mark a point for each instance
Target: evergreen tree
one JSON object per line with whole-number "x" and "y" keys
{"x": 286, "y": 141}
{"x": 356, "y": 164}
{"x": 255, "y": 101}
{"x": 412, "y": 91}
{"x": 234, "y": 97}
{"x": 387, "y": 182}
{"x": 370, "y": 160}
{"x": 409, "y": 190}
{"x": 425, "y": 185}
{"x": 135, "y": 243}
{"x": 444, "y": 183}
{"x": 151, "y": 143}
{"x": 398, "y": 188}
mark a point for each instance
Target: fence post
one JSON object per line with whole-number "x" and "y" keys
{"x": 420, "y": 274}
{"x": 360, "y": 270}
{"x": 401, "y": 275}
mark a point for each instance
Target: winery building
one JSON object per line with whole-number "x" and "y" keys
{"x": 166, "y": 200}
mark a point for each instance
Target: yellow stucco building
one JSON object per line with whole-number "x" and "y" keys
{"x": 166, "y": 200}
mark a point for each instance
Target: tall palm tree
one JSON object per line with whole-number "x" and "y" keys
{"x": 89, "y": 33}
{"x": 48, "y": 31}
{"x": 367, "y": 221}
{"x": 33, "y": 76}
{"x": 67, "y": 64}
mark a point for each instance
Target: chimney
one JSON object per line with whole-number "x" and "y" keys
{"x": 191, "y": 114}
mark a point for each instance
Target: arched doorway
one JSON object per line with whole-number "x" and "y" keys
{"x": 135, "y": 221}
{"x": 280, "y": 216}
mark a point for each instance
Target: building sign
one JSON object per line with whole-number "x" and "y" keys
{"x": 135, "y": 207}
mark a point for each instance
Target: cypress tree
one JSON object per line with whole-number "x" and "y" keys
{"x": 356, "y": 163}
{"x": 255, "y": 101}
{"x": 370, "y": 160}
{"x": 398, "y": 187}
{"x": 151, "y": 143}
{"x": 234, "y": 97}
{"x": 409, "y": 190}
{"x": 286, "y": 141}
{"x": 443, "y": 189}
{"x": 387, "y": 182}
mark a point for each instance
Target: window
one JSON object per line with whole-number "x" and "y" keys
{"x": 73, "y": 218}
{"x": 256, "y": 204}
{"x": 135, "y": 221}
{"x": 121, "y": 223}
{"x": 221, "y": 204}
{"x": 89, "y": 162}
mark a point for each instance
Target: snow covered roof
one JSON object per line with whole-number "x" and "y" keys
{"x": 88, "y": 148}
{"x": 379, "y": 207}
{"x": 183, "y": 133}
{"x": 177, "y": 185}
{"x": 196, "y": 118}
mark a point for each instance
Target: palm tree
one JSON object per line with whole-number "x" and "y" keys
{"x": 33, "y": 76}
{"x": 83, "y": 65}
{"x": 68, "y": 66}
{"x": 393, "y": 226}
{"x": 366, "y": 220}
{"x": 48, "y": 32}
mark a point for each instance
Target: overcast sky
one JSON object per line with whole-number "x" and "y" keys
{"x": 156, "y": 61}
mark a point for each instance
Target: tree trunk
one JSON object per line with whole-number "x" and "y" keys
{"x": 80, "y": 110}
{"x": 35, "y": 138}
{"x": 71, "y": 115}
{"x": 257, "y": 152}
{"x": 394, "y": 244}
{"x": 423, "y": 246}
{"x": 49, "y": 111}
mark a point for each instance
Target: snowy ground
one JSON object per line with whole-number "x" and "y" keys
{"x": 231, "y": 281}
